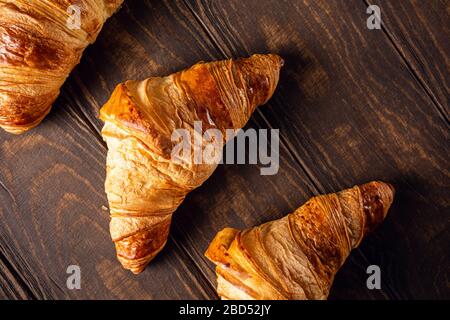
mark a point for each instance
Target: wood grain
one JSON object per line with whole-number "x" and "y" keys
{"x": 352, "y": 106}
{"x": 419, "y": 31}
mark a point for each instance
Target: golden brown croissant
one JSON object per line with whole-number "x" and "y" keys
{"x": 40, "y": 44}
{"x": 143, "y": 183}
{"x": 297, "y": 257}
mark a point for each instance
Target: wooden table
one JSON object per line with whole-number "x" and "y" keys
{"x": 352, "y": 105}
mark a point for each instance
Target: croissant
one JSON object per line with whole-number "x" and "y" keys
{"x": 41, "y": 41}
{"x": 144, "y": 183}
{"x": 297, "y": 257}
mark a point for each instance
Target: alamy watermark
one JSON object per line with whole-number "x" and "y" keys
{"x": 207, "y": 147}
{"x": 74, "y": 279}
{"x": 374, "y": 280}
{"x": 374, "y": 20}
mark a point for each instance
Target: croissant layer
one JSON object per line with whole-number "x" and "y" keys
{"x": 144, "y": 184}
{"x": 40, "y": 43}
{"x": 297, "y": 257}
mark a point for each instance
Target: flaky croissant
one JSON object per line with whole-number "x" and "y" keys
{"x": 297, "y": 257}
{"x": 144, "y": 184}
{"x": 40, "y": 43}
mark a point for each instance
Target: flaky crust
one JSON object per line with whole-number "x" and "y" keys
{"x": 297, "y": 257}
{"x": 143, "y": 184}
{"x": 38, "y": 51}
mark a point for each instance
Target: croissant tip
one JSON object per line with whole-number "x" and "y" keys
{"x": 391, "y": 187}
{"x": 25, "y": 123}
{"x": 137, "y": 264}
{"x": 13, "y": 131}
{"x": 378, "y": 197}
{"x": 382, "y": 184}
{"x": 20, "y": 129}
{"x": 279, "y": 58}
{"x": 136, "y": 270}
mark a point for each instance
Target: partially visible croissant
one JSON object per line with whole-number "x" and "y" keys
{"x": 39, "y": 47}
{"x": 297, "y": 257}
{"x": 143, "y": 183}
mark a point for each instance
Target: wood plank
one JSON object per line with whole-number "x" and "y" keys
{"x": 350, "y": 111}
{"x": 419, "y": 30}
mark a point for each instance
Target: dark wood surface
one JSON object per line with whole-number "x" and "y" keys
{"x": 352, "y": 105}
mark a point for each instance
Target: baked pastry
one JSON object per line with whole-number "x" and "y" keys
{"x": 297, "y": 257}
{"x": 144, "y": 183}
{"x": 41, "y": 41}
